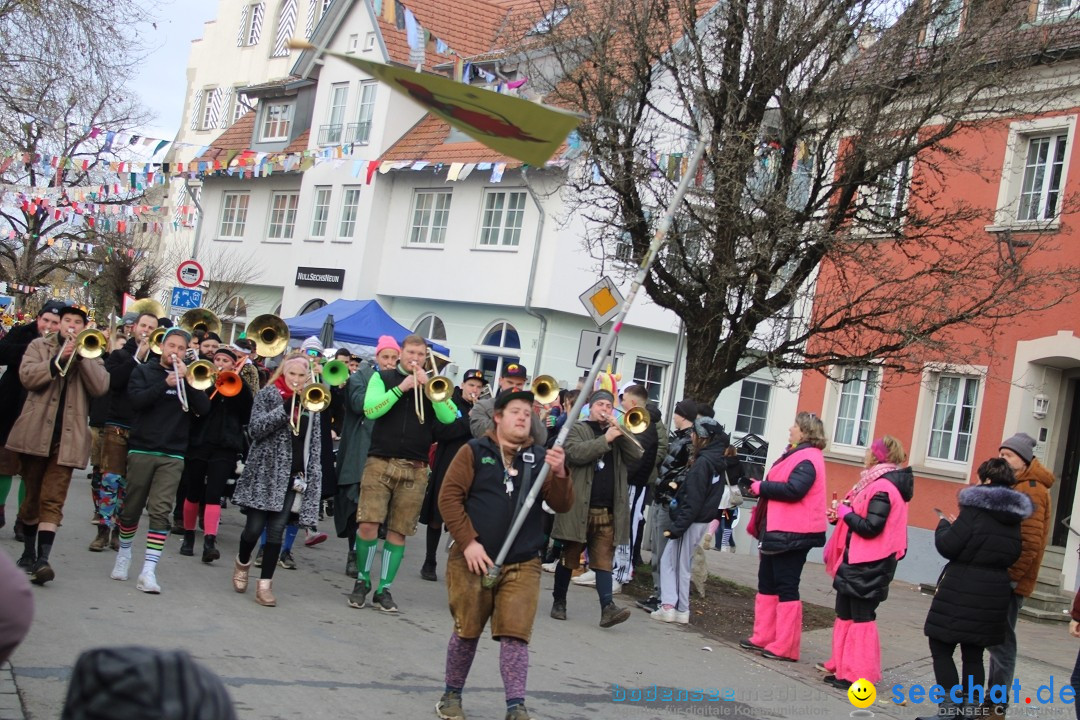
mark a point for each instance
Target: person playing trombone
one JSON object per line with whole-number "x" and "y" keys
{"x": 396, "y": 473}
{"x": 164, "y": 405}
{"x": 216, "y": 440}
{"x": 283, "y": 473}
{"x": 51, "y": 434}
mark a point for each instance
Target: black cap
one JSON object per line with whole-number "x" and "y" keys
{"x": 515, "y": 370}
{"x": 212, "y": 336}
{"x": 474, "y": 375}
{"x": 504, "y": 398}
{"x": 53, "y": 306}
{"x": 73, "y": 310}
{"x": 687, "y": 409}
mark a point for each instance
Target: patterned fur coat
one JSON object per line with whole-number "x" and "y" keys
{"x": 266, "y": 475}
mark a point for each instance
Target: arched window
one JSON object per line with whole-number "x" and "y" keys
{"x": 431, "y": 327}
{"x": 233, "y": 319}
{"x": 312, "y": 306}
{"x": 499, "y": 346}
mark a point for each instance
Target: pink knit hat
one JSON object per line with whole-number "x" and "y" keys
{"x": 385, "y": 341}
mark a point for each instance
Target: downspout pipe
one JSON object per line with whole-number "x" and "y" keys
{"x": 532, "y": 273}
{"x": 673, "y": 385}
{"x": 198, "y": 223}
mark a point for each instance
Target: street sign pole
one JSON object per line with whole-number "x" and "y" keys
{"x": 492, "y": 576}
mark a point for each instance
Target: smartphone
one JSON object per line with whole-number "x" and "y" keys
{"x": 940, "y": 514}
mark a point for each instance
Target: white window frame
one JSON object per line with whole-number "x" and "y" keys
{"x": 427, "y": 321}
{"x": 206, "y": 122}
{"x": 369, "y": 42}
{"x": 886, "y": 201}
{"x": 320, "y": 210}
{"x": 1012, "y": 172}
{"x": 864, "y": 385}
{"x": 501, "y": 226}
{"x": 240, "y": 103}
{"x": 354, "y": 43}
{"x": 234, "y": 218}
{"x": 1069, "y": 10}
{"x": 256, "y": 11}
{"x": 501, "y": 353}
{"x": 282, "y": 224}
{"x": 938, "y": 30}
{"x": 428, "y": 208}
{"x": 647, "y": 383}
{"x": 365, "y": 112}
{"x": 754, "y": 401}
{"x": 335, "y": 115}
{"x": 283, "y": 125}
{"x": 350, "y": 213}
{"x": 924, "y": 417}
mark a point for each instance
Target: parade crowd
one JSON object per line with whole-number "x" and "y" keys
{"x": 176, "y": 426}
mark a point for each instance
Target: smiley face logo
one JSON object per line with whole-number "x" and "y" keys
{"x": 861, "y": 693}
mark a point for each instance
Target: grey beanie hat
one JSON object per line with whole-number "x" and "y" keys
{"x": 1022, "y": 444}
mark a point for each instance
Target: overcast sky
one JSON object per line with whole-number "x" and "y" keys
{"x": 161, "y": 80}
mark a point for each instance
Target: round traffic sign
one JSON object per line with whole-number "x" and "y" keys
{"x": 189, "y": 274}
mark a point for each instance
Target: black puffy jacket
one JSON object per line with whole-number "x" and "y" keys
{"x": 973, "y": 594}
{"x": 798, "y": 484}
{"x": 673, "y": 469}
{"x": 12, "y": 393}
{"x": 699, "y": 495}
{"x": 870, "y": 580}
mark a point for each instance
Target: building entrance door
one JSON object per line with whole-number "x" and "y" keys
{"x": 1069, "y": 470}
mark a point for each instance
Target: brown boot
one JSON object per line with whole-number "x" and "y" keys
{"x": 100, "y": 542}
{"x": 263, "y": 593}
{"x": 114, "y": 539}
{"x": 240, "y": 575}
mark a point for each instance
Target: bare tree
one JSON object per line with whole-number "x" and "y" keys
{"x": 228, "y": 271}
{"x": 820, "y": 231}
{"x": 64, "y": 74}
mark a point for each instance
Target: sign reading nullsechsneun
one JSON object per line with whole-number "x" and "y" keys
{"x": 320, "y": 277}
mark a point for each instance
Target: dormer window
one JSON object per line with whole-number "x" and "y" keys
{"x": 1058, "y": 9}
{"x": 946, "y": 19}
{"x": 277, "y": 120}
{"x": 549, "y": 21}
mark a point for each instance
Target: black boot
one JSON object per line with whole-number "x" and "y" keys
{"x": 209, "y": 552}
{"x": 350, "y": 564}
{"x": 187, "y": 548}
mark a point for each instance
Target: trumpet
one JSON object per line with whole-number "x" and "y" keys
{"x": 88, "y": 344}
{"x": 314, "y": 397}
{"x": 270, "y": 333}
{"x": 200, "y": 319}
{"x": 200, "y": 374}
{"x": 181, "y": 385}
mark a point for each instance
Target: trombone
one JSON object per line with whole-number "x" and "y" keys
{"x": 155, "y": 344}
{"x": 439, "y": 388}
{"x": 335, "y": 373}
{"x": 181, "y": 385}
{"x": 633, "y": 422}
{"x": 227, "y": 383}
{"x": 89, "y": 343}
{"x": 545, "y": 389}
{"x": 200, "y": 374}
{"x": 314, "y": 397}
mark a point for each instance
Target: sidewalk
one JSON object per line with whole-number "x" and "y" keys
{"x": 10, "y": 705}
{"x": 1044, "y": 650}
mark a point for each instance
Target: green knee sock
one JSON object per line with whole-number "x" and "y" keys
{"x": 5, "y": 488}
{"x": 365, "y": 556}
{"x": 391, "y": 561}
{"x": 22, "y": 492}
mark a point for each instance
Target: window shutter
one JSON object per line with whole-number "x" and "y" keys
{"x": 257, "y": 12}
{"x": 223, "y": 101}
{"x": 196, "y": 109}
{"x": 286, "y": 26}
{"x": 312, "y": 12}
{"x": 241, "y": 35}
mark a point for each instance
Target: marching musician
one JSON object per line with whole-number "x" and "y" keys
{"x": 164, "y": 405}
{"x": 484, "y": 489}
{"x": 217, "y": 439}
{"x": 114, "y": 442}
{"x": 249, "y": 372}
{"x": 355, "y": 443}
{"x": 283, "y": 473}
{"x": 12, "y": 393}
{"x": 209, "y": 345}
{"x": 396, "y": 472}
{"x": 598, "y": 454}
{"x": 512, "y": 379}
{"x": 449, "y": 438}
{"x": 51, "y": 435}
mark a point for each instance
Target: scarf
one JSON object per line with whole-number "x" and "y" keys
{"x": 283, "y": 387}
{"x": 869, "y": 475}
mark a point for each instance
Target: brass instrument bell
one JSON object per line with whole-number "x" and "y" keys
{"x": 156, "y": 339}
{"x": 335, "y": 373}
{"x": 439, "y": 389}
{"x": 270, "y": 334}
{"x": 315, "y": 397}
{"x": 545, "y": 389}
{"x": 147, "y": 305}
{"x": 200, "y": 374}
{"x": 200, "y": 319}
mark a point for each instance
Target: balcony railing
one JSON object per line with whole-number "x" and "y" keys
{"x": 359, "y": 133}
{"x": 330, "y": 134}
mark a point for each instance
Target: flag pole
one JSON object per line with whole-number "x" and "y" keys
{"x": 492, "y": 576}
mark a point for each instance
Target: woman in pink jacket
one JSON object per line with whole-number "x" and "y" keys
{"x": 788, "y": 521}
{"x": 869, "y": 540}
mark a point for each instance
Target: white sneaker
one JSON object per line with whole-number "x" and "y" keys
{"x": 550, "y": 567}
{"x": 148, "y": 583}
{"x": 671, "y": 615}
{"x": 616, "y": 587}
{"x": 682, "y": 617}
{"x": 121, "y": 567}
{"x": 586, "y": 578}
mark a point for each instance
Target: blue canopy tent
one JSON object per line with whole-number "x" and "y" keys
{"x": 356, "y": 323}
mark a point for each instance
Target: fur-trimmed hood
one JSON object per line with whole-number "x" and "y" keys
{"x": 1008, "y": 505}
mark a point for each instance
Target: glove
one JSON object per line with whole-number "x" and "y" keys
{"x": 755, "y": 488}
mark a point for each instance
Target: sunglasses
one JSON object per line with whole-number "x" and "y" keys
{"x": 313, "y": 353}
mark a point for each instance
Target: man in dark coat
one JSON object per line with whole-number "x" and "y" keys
{"x": 12, "y": 393}
{"x": 449, "y": 439}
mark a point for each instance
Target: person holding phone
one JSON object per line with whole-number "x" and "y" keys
{"x": 862, "y": 554}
